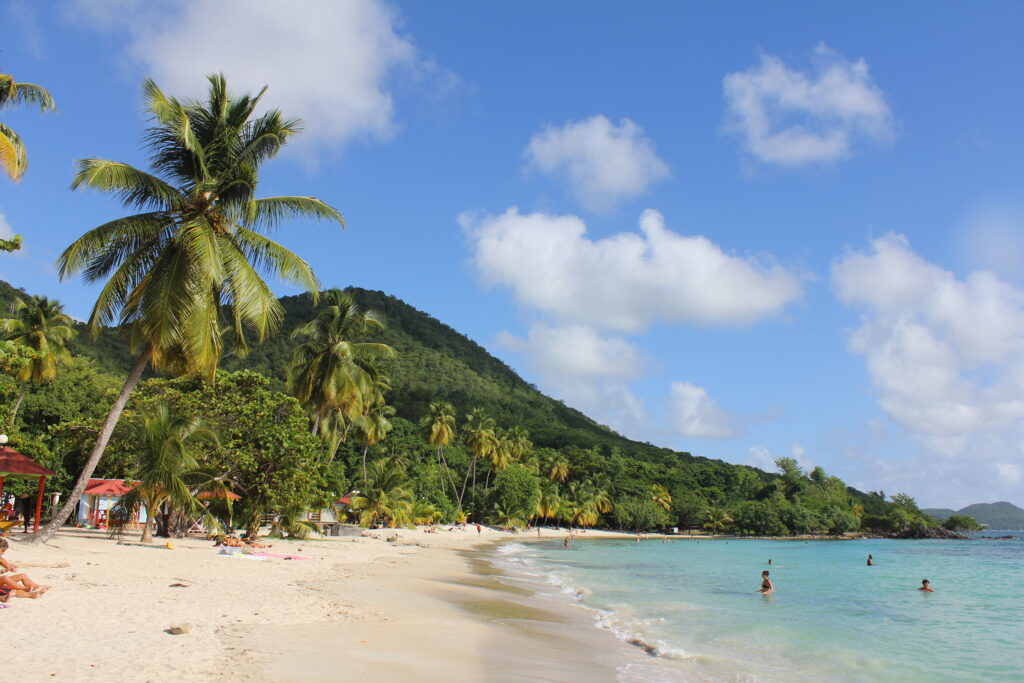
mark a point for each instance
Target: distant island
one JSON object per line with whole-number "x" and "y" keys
{"x": 1001, "y": 515}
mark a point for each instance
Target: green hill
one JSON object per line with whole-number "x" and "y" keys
{"x": 941, "y": 514}
{"x": 1001, "y": 515}
{"x": 435, "y": 362}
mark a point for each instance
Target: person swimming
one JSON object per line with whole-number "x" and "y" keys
{"x": 871, "y": 561}
{"x": 766, "y": 584}
{"x": 926, "y": 586}
{"x": 769, "y": 560}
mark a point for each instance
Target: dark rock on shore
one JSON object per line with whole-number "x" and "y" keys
{"x": 932, "y": 532}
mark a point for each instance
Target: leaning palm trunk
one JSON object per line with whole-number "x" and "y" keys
{"x": 451, "y": 479}
{"x": 17, "y": 404}
{"x": 106, "y": 430}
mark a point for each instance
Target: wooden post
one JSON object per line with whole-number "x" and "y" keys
{"x": 39, "y": 501}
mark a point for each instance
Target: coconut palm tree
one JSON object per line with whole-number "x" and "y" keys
{"x": 519, "y": 444}
{"x": 166, "y": 466}
{"x": 661, "y": 497}
{"x": 439, "y": 430}
{"x": 482, "y": 439}
{"x": 196, "y": 253}
{"x": 40, "y": 325}
{"x": 557, "y": 467}
{"x": 13, "y": 158}
{"x": 550, "y": 500}
{"x": 374, "y": 425}
{"x": 333, "y": 369}
{"x": 383, "y": 497}
{"x": 718, "y": 519}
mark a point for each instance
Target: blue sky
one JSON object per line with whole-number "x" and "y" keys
{"x": 743, "y": 230}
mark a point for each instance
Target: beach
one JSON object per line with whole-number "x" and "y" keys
{"x": 414, "y": 607}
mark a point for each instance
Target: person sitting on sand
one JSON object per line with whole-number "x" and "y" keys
{"x": 18, "y": 585}
{"x": 926, "y": 586}
{"x": 766, "y": 584}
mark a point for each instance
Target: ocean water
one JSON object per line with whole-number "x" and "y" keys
{"x": 693, "y": 606}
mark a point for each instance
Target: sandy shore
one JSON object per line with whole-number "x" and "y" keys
{"x": 419, "y": 607}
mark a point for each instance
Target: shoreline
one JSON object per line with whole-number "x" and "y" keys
{"x": 412, "y": 608}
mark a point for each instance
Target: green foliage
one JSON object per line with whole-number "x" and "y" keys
{"x": 516, "y": 495}
{"x": 384, "y": 499}
{"x": 961, "y": 523}
{"x": 640, "y": 514}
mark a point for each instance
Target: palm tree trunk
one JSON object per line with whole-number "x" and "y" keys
{"x": 365, "y": 448}
{"x": 466, "y": 480}
{"x": 147, "y": 531}
{"x": 106, "y": 430}
{"x": 451, "y": 479}
{"x": 17, "y": 404}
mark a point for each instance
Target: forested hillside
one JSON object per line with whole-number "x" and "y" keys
{"x": 436, "y": 363}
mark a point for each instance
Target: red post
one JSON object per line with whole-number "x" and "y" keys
{"x": 39, "y": 501}
{"x": 1, "y": 488}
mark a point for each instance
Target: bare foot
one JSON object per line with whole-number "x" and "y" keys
{"x": 42, "y": 589}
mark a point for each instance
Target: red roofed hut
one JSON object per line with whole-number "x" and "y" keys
{"x": 14, "y": 464}
{"x": 100, "y": 496}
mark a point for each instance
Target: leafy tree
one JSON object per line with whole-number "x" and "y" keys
{"x": 549, "y": 502}
{"x": 13, "y": 157}
{"x": 690, "y": 509}
{"x": 717, "y": 519}
{"x": 961, "y": 523}
{"x": 640, "y": 514}
{"x": 196, "y": 252}
{"x": 166, "y": 466}
{"x": 40, "y": 325}
{"x": 557, "y": 466}
{"x": 758, "y": 517}
{"x": 517, "y": 493}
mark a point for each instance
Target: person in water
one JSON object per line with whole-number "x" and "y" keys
{"x": 871, "y": 560}
{"x": 766, "y": 584}
{"x": 926, "y": 586}
{"x": 769, "y": 560}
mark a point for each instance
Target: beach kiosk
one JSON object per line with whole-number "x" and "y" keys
{"x": 14, "y": 464}
{"x": 100, "y": 497}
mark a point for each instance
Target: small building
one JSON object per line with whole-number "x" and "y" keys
{"x": 100, "y": 497}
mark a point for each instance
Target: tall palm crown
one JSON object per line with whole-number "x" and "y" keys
{"x": 13, "y": 157}
{"x": 333, "y": 369}
{"x": 196, "y": 251}
{"x": 40, "y": 325}
{"x": 439, "y": 424}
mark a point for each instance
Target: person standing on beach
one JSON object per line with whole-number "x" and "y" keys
{"x": 766, "y": 584}
{"x": 478, "y": 528}
{"x": 926, "y": 586}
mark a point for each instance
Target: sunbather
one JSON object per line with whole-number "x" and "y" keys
{"x": 18, "y": 585}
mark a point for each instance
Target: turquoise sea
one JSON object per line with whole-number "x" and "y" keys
{"x": 694, "y": 606}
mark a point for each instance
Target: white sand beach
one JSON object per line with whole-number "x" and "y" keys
{"x": 361, "y": 607}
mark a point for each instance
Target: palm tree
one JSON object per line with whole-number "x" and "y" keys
{"x": 167, "y": 469}
{"x": 519, "y": 444}
{"x": 557, "y": 467}
{"x": 374, "y": 426}
{"x": 196, "y": 253}
{"x": 718, "y": 519}
{"x": 332, "y": 370}
{"x": 500, "y": 456}
{"x": 13, "y": 158}
{"x": 42, "y": 328}
{"x": 482, "y": 439}
{"x": 383, "y": 498}
{"x": 439, "y": 429}
{"x": 661, "y": 497}
{"x": 550, "y": 501}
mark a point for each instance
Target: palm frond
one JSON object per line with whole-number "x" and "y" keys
{"x": 13, "y": 158}
{"x": 133, "y": 187}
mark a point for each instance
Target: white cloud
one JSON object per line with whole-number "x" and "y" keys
{"x": 694, "y": 413}
{"x": 628, "y": 281}
{"x": 602, "y": 163}
{"x": 762, "y": 458}
{"x": 789, "y": 117}
{"x": 6, "y": 231}
{"x": 588, "y": 371}
{"x": 945, "y": 355}
{"x": 329, "y": 63}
